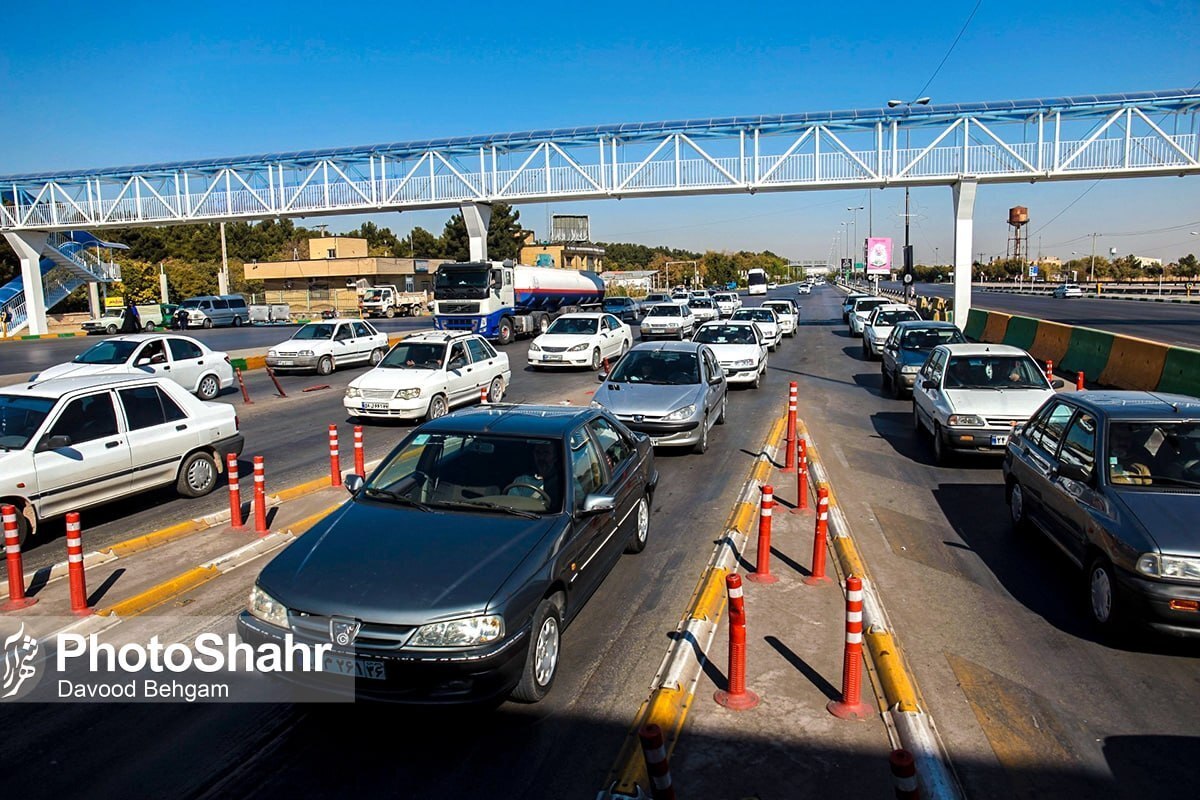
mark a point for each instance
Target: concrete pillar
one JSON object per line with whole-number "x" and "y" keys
{"x": 94, "y": 306}
{"x": 477, "y": 216}
{"x": 964, "y": 229}
{"x": 162, "y": 285}
{"x": 29, "y": 246}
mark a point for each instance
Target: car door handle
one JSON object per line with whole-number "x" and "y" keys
{"x": 111, "y": 445}
{"x": 200, "y": 363}
{"x": 181, "y": 427}
{"x": 167, "y": 369}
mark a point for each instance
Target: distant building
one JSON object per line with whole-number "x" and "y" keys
{"x": 1049, "y": 261}
{"x": 561, "y": 255}
{"x": 633, "y": 279}
{"x": 1146, "y": 261}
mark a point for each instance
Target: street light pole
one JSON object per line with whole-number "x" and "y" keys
{"x": 1092, "y": 275}
{"x": 920, "y": 101}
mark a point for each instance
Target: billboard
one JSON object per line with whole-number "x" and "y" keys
{"x": 879, "y": 255}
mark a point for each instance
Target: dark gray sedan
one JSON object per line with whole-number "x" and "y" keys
{"x": 905, "y": 350}
{"x": 450, "y": 574}
{"x": 1113, "y": 479}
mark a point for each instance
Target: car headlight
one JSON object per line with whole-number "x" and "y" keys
{"x": 964, "y": 420}
{"x": 1180, "y": 568}
{"x": 743, "y": 362}
{"x": 911, "y": 368}
{"x": 268, "y": 609}
{"x": 533, "y": 347}
{"x": 271, "y": 353}
{"x": 595, "y": 404}
{"x": 353, "y": 391}
{"x": 307, "y": 353}
{"x": 467, "y": 632}
{"x": 578, "y": 347}
{"x": 680, "y": 413}
{"x": 408, "y": 394}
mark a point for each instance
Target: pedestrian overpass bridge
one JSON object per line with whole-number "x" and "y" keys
{"x": 963, "y": 145}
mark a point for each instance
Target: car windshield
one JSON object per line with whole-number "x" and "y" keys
{"x": 20, "y": 417}
{"x": 616, "y": 304}
{"x": 925, "y": 339}
{"x": 755, "y": 314}
{"x": 111, "y": 352}
{"x": 314, "y": 331}
{"x": 725, "y": 334}
{"x": 779, "y": 308}
{"x": 1164, "y": 454}
{"x": 886, "y": 319}
{"x": 701, "y": 302}
{"x": 869, "y": 304}
{"x": 994, "y": 372}
{"x": 473, "y": 472}
{"x": 574, "y": 326}
{"x": 660, "y": 367}
{"x": 190, "y": 304}
{"x": 414, "y": 355}
{"x": 666, "y": 311}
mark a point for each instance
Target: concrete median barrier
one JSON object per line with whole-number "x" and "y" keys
{"x": 1051, "y": 341}
{"x": 1021, "y": 332}
{"x": 1136, "y": 364}
{"x": 1181, "y": 372}
{"x": 1087, "y": 351}
{"x": 996, "y": 327}
{"x": 976, "y": 322}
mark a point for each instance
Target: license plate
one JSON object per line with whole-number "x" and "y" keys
{"x": 550, "y": 357}
{"x": 345, "y": 665}
{"x": 997, "y": 441}
{"x": 375, "y": 406}
{"x": 285, "y": 362}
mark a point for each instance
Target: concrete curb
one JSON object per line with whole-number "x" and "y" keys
{"x": 674, "y": 684}
{"x": 913, "y": 725}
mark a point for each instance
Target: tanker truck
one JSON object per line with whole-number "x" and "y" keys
{"x": 501, "y": 301}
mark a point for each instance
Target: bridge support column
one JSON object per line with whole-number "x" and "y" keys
{"x": 29, "y": 248}
{"x": 94, "y": 306}
{"x": 477, "y": 216}
{"x": 964, "y": 230}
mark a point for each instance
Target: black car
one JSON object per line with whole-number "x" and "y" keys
{"x": 625, "y": 309}
{"x": 1113, "y": 479}
{"x": 449, "y": 575}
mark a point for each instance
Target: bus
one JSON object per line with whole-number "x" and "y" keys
{"x": 756, "y": 280}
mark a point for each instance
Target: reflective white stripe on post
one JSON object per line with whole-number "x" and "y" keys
{"x": 906, "y": 784}
{"x": 12, "y": 548}
{"x": 10, "y": 517}
{"x": 854, "y": 595}
{"x": 657, "y": 755}
{"x": 74, "y": 558}
{"x": 76, "y": 542}
{"x": 735, "y": 591}
{"x": 854, "y": 616}
{"x": 853, "y": 638}
{"x": 663, "y": 782}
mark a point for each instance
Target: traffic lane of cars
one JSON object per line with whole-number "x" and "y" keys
{"x": 996, "y": 620}
{"x": 561, "y": 747}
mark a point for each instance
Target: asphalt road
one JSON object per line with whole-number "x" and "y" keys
{"x": 1173, "y": 323}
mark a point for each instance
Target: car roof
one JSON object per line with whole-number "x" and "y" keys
{"x": 1131, "y": 405}
{"x": 438, "y": 337}
{"x": 895, "y": 307}
{"x": 333, "y": 320}
{"x": 584, "y": 315}
{"x": 741, "y": 323}
{"x": 925, "y": 323}
{"x": 672, "y": 347}
{"x": 512, "y": 420}
{"x": 982, "y": 349}
{"x": 142, "y": 337}
{"x": 57, "y": 387}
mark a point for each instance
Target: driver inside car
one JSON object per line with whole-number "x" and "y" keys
{"x": 544, "y": 483}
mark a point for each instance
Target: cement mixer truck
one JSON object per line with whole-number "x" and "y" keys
{"x": 502, "y": 301}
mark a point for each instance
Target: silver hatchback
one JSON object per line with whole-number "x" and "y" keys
{"x": 672, "y": 391}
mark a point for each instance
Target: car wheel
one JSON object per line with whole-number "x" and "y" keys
{"x": 595, "y": 359}
{"x": 1103, "y": 596}
{"x": 325, "y": 365}
{"x": 541, "y": 661}
{"x": 640, "y": 534}
{"x": 757, "y": 380}
{"x": 940, "y": 454}
{"x": 866, "y": 352}
{"x": 376, "y": 356}
{"x": 916, "y": 419}
{"x": 1017, "y": 510}
{"x": 701, "y": 446}
{"x": 209, "y": 387}
{"x": 724, "y": 404}
{"x": 111, "y": 329}
{"x": 149, "y": 326}
{"x": 437, "y": 407}
{"x": 208, "y": 323}
{"x": 390, "y": 313}
{"x": 543, "y": 323}
{"x": 197, "y": 475}
{"x": 237, "y": 322}
{"x": 496, "y": 390}
{"x": 885, "y": 383}
{"x": 504, "y": 331}
{"x": 624, "y": 349}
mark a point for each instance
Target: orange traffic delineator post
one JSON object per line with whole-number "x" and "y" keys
{"x": 360, "y": 464}
{"x": 235, "y": 492}
{"x": 904, "y": 774}
{"x": 801, "y": 476}
{"x": 1049, "y": 370}
{"x": 16, "y": 568}
{"x": 245, "y": 394}
{"x": 483, "y": 395}
{"x": 654, "y": 750}
{"x": 606, "y": 367}
{"x": 278, "y": 388}
{"x": 818, "y": 576}
{"x": 851, "y": 705}
{"x": 1079, "y": 387}
{"x": 790, "y": 441}
{"x": 762, "y": 570}
{"x": 75, "y": 576}
{"x": 260, "y": 497}
{"x": 738, "y": 697}
{"x": 335, "y": 461}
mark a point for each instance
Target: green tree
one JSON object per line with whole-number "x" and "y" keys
{"x": 1188, "y": 266}
{"x": 425, "y": 244}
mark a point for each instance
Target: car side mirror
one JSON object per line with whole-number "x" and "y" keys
{"x": 54, "y": 443}
{"x": 1057, "y": 383}
{"x": 354, "y": 484}
{"x": 597, "y": 504}
{"x": 458, "y": 363}
{"x": 716, "y": 380}
{"x": 601, "y": 377}
{"x": 928, "y": 384}
{"x": 1074, "y": 472}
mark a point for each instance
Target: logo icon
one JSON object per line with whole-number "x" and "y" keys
{"x": 343, "y": 632}
{"x": 19, "y": 652}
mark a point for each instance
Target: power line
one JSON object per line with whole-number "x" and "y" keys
{"x": 1068, "y": 208}
{"x": 951, "y": 50}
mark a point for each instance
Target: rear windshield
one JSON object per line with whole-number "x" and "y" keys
{"x": 756, "y": 314}
{"x": 925, "y": 339}
{"x": 666, "y": 311}
{"x": 870, "y": 303}
{"x": 890, "y": 318}
{"x": 725, "y": 334}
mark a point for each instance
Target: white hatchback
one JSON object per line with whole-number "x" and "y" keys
{"x": 326, "y": 345}
{"x": 727, "y": 303}
{"x": 739, "y": 347}
{"x": 880, "y": 324}
{"x": 185, "y": 360}
{"x": 789, "y": 315}
{"x": 580, "y": 340}
{"x": 767, "y": 322}
{"x": 427, "y": 374}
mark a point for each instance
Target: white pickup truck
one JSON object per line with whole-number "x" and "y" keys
{"x": 388, "y": 301}
{"x": 112, "y": 319}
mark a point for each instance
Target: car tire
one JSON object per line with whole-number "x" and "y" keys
{"x": 545, "y": 645}
{"x": 724, "y": 405}
{"x": 641, "y": 531}
{"x": 504, "y": 331}
{"x": 149, "y": 326}
{"x": 866, "y": 351}
{"x": 197, "y": 475}
{"x": 757, "y": 380}
{"x": 390, "y": 313}
{"x": 701, "y": 447}
{"x": 111, "y": 329}
{"x": 1018, "y": 511}
{"x": 237, "y": 322}
{"x": 885, "y": 383}
{"x": 542, "y": 323}
{"x": 496, "y": 390}
{"x": 1103, "y": 596}
{"x": 941, "y": 456}
{"x": 376, "y": 356}
{"x": 918, "y": 428}
{"x": 208, "y": 323}
{"x": 596, "y": 360}
{"x": 438, "y": 407}
{"x": 325, "y": 365}
{"x": 624, "y": 349}
{"x": 208, "y": 388}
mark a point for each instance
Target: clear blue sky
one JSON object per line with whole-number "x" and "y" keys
{"x": 88, "y": 85}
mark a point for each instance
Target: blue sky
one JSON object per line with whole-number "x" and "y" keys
{"x": 90, "y": 85}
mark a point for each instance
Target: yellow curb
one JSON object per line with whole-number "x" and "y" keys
{"x": 897, "y": 684}
{"x": 308, "y": 522}
{"x": 156, "y": 538}
{"x": 157, "y": 595}
{"x": 666, "y": 708}
{"x": 712, "y": 599}
{"x": 848, "y": 557}
{"x": 308, "y": 487}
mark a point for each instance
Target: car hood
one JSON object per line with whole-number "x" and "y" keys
{"x": 648, "y": 399}
{"x": 402, "y": 566}
{"x": 73, "y": 370}
{"x": 393, "y": 378}
{"x": 735, "y": 352}
{"x": 1007, "y": 403}
{"x": 1167, "y": 517}
{"x": 563, "y": 339}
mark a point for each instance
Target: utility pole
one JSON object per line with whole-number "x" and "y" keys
{"x": 908, "y": 259}
{"x": 1092, "y": 274}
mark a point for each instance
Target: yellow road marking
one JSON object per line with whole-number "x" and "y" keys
{"x": 157, "y": 595}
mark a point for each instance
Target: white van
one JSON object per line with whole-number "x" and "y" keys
{"x": 209, "y": 311}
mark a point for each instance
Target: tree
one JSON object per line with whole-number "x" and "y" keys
{"x": 503, "y": 237}
{"x": 425, "y": 244}
{"x": 1188, "y": 265}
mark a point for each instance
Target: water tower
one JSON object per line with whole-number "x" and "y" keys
{"x": 1018, "y": 218}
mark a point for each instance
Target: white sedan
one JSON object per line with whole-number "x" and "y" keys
{"x": 669, "y": 320}
{"x": 705, "y": 309}
{"x": 326, "y": 345}
{"x": 185, "y": 360}
{"x": 580, "y": 340}
{"x": 739, "y": 347}
{"x": 789, "y": 315}
{"x": 880, "y": 324}
{"x": 767, "y": 322}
